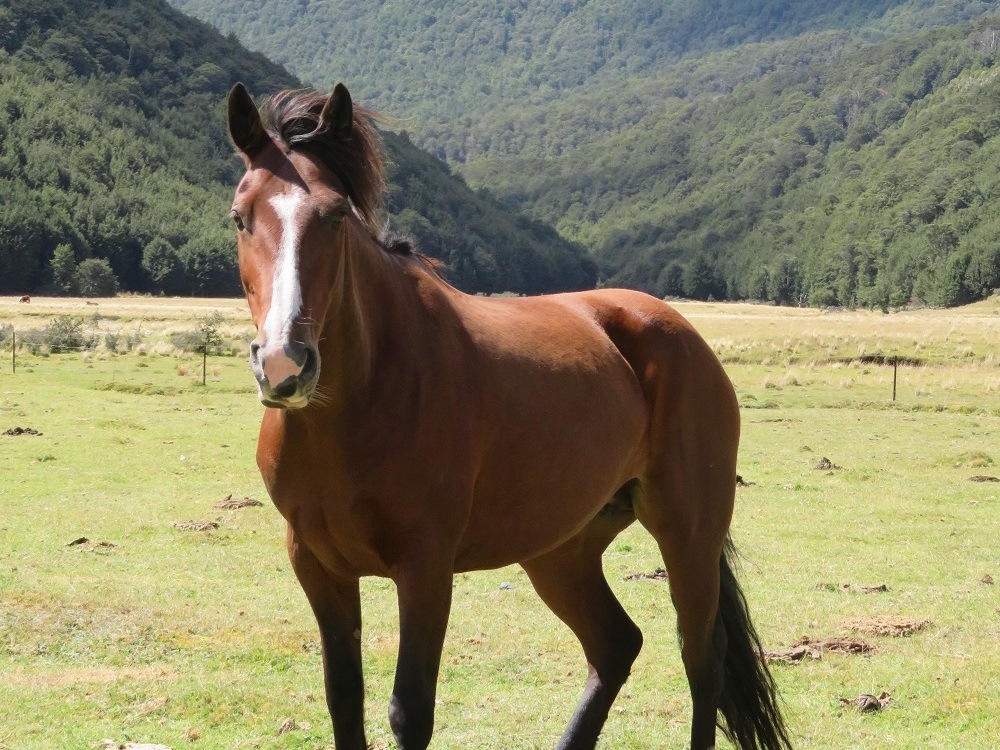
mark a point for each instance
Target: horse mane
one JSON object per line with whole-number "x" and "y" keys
{"x": 293, "y": 117}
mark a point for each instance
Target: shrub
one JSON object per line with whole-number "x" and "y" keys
{"x": 118, "y": 341}
{"x": 206, "y": 338}
{"x": 62, "y": 334}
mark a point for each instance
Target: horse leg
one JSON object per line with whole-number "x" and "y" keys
{"x": 424, "y": 592}
{"x": 570, "y": 580}
{"x": 336, "y": 604}
{"x": 687, "y": 508}
{"x": 693, "y": 571}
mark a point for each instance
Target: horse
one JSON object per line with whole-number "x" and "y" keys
{"x": 412, "y": 431}
{"x": 25, "y": 298}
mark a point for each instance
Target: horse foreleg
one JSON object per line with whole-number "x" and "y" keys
{"x": 424, "y": 592}
{"x": 570, "y": 580}
{"x": 337, "y": 606}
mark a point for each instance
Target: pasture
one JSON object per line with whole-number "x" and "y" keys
{"x": 154, "y": 631}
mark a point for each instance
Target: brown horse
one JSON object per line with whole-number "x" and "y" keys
{"x": 24, "y": 298}
{"x": 413, "y": 431}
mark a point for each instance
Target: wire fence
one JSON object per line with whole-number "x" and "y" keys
{"x": 71, "y": 337}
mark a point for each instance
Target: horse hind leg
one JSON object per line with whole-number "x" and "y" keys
{"x": 719, "y": 646}
{"x": 570, "y": 580}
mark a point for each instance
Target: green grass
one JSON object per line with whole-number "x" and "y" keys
{"x": 204, "y": 640}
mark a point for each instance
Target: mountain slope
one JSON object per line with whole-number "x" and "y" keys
{"x": 112, "y": 143}
{"x": 692, "y": 145}
{"x": 431, "y": 58}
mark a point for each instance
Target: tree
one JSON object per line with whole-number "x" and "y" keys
{"x": 94, "y": 278}
{"x": 700, "y": 280}
{"x": 164, "y": 265}
{"x": 63, "y": 265}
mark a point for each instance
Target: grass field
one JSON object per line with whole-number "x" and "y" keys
{"x": 202, "y": 639}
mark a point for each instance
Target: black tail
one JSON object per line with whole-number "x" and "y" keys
{"x": 748, "y": 702}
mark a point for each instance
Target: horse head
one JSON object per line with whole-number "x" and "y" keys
{"x": 313, "y": 166}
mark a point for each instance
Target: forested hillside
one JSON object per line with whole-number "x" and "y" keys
{"x": 792, "y": 151}
{"x": 113, "y": 147}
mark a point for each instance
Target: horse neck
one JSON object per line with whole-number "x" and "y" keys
{"x": 373, "y": 310}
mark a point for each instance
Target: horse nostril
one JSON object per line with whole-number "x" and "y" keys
{"x": 309, "y": 364}
{"x": 286, "y": 389}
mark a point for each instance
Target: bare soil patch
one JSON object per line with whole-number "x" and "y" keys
{"x": 291, "y": 725}
{"x": 984, "y": 478}
{"x": 657, "y": 575}
{"x": 85, "y": 543}
{"x": 15, "y": 431}
{"x": 231, "y": 503}
{"x": 826, "y": 464}
{"x": 893, "y": 626}
{"x": 867, "y": 703}
{"x": 196, "y": 525}
{"x": 851, "y": 588}
{"x": 814, "y": 649}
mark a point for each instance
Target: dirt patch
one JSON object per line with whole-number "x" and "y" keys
{"x": 657, "y": 575}
{"x": 231, "y": 503}
{"x": 113, "y": 745}
{"x": 814, "y": 649}
{"x": 867, "y": 703}
{"x": 84, "y": 543}
{"x": 893, "y": 626}
{"x": 291, "y": 725}
{"x": 983, "y": 478}
{"x": 196, "y": 525}
{"x": 15, "y": 431}
{"x": 851, "y": 588}
{"x": 825, "y": 464}
{"x": 986, "y": 580}
{"x": 882, "y": 359}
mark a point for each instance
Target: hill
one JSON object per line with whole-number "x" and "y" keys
{"x": 113, "y": 146}
{"x": 734, "y": 150}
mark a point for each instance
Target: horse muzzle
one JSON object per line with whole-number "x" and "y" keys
{"x": 286, "y": 374}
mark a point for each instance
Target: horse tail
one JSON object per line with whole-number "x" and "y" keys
{"x": 749, "y": 699}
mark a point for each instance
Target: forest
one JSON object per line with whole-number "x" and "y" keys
{"x": 117, "y": 172}
{"x": 823, "y": 153}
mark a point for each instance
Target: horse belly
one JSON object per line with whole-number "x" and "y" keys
{"x": 556, "y": 458}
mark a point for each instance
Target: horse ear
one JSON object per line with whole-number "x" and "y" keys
{"x": 338, "y": 112}
{"x": 245, "y": 127}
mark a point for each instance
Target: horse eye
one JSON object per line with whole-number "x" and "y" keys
{"x": 237, "y": 220}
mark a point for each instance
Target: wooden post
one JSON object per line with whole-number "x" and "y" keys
{"x": 204, "y": 363}
{"x": 13, "y": 351}
{"x": 895, "y": 364}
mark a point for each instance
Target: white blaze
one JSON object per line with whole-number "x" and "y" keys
{"x": 286, "y": 291}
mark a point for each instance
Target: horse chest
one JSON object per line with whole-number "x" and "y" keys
{"x": 356, "y": 518}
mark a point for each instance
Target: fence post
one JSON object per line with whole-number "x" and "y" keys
{"x": 895, "y": 365}
{"x": 204, "y": 360}
{"x": 13, "y": 351}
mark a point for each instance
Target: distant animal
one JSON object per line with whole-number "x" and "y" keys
{"x": 24, "y": 298}
{"x": 414, "y": 431}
